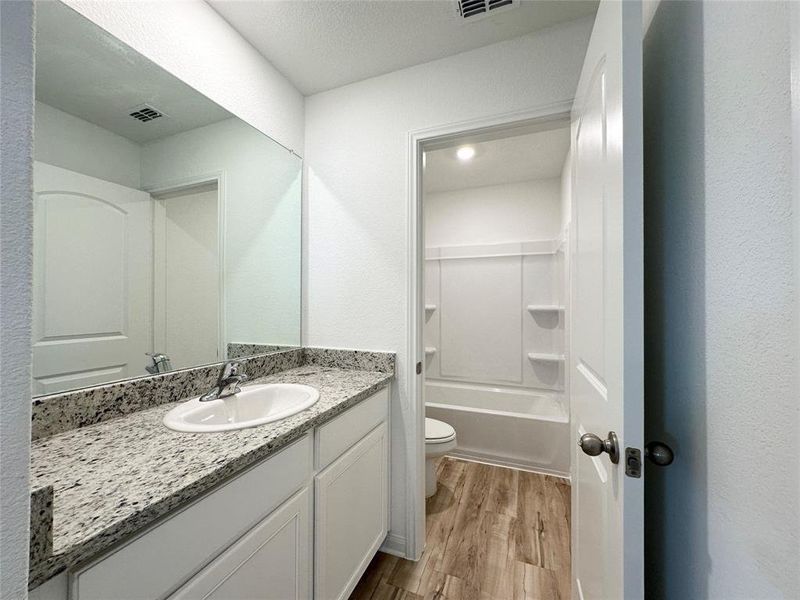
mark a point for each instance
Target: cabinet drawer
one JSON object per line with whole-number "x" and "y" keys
{"x": 166, "y": 555}
{"x": 271, "y": 562}
{"x": 341, "y": 433}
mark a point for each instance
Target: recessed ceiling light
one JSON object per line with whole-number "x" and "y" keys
{"x": 465, "y": 152}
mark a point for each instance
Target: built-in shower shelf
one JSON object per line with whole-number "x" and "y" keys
{"x": 546, "y": 357}
{"x": 545, "y": 308}
{"x": 430, "y": 307}
{"x": 430, "y": 351}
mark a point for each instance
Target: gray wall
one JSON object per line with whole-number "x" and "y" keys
{"x": 16, "y": 131}
{"x": 721, "y": 331}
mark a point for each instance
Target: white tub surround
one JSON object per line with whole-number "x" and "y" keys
{"x": 497, "y": 366}
{"x": 497, "y": 314}
{"x": 503, "y": 425}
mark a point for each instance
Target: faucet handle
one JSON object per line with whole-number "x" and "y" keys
{"x": 232, "y": 368}
{"x": 161, "y": 363}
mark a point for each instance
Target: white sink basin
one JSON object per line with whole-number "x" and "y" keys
{"x": 254, "y": 405}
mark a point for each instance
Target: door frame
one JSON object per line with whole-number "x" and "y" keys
{"x": 216, "y": 178}
{"x": 415, "y": 427}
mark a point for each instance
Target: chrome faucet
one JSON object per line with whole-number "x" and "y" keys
{"x": 161, "y": 363}
{"x": 228, "y": 382}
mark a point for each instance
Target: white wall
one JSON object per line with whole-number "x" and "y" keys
{"x": 513, "y": 212}
{"x": 191, "y": 41}
{"x": 16, "y": 150}
{"x": 721, "y": 326}
{"x": 566, "y": 191}
{"x": 357, "y": 189}
{"x": 66, "y": 141}
{"x": 262, "y": 222}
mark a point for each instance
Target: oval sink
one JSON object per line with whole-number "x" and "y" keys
{"x": 254, "y": 405}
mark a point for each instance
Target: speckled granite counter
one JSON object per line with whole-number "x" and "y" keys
{"x": 113, "y": 478}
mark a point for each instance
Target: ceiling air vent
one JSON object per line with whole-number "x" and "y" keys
{"x": 145, "y": 113}
{"x": 478, "y": 9}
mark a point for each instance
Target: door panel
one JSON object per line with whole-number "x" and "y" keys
{"x": 351, "y": 515}
{"x": 606, "y": 371}
{"x": 84, "y": 244}
{"x": 92, "y": 287}
{"x": 271, "y": 562}
{"x": 590, "y": 224}
{"x": 187, "y": 296}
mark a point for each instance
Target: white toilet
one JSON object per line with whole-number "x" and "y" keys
{"x": 440, "y": 438}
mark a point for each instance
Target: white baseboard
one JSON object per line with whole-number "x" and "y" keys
{"x": 499, "y": 462}
{"x": 395, "y": 545}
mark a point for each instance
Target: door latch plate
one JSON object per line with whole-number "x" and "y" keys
{"x": 633, "y": 462}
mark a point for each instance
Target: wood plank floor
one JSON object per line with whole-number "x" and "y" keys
{"x": 492, "y": 534}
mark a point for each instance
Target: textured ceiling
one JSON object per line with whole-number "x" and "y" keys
{"x": 320, "y": 45}
{"x": 538, "y": 155}
{"x": 88, "y": 73}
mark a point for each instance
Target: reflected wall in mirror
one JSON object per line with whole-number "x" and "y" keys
{"x": 166, "y": 230}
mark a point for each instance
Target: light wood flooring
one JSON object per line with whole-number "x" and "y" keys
{"x": 492, "y": 534}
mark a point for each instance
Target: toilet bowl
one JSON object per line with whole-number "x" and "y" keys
{"x": 440, "y": 438}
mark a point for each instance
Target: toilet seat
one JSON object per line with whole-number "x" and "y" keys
{"x": 438, "y": 432}
{"x": 440, "y": 438}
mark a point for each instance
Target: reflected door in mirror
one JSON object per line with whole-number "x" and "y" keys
{"x": 188, "y": 285}
{"x": 92, "y": 280}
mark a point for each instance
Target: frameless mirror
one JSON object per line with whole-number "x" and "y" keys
{"x": 166, "y": 230}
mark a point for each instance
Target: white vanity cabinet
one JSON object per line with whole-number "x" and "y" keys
{"x": 198, "y": 539}
{"x": 351, "y": 516}
{"x": 351, "y": 507}
{"x": 302, "y": 524}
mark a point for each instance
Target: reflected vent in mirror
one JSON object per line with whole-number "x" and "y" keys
{"x": 145, "y": 113}
{"x": 474, "y": 10}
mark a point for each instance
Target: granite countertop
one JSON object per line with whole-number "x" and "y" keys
{"x": 112, "y": 479}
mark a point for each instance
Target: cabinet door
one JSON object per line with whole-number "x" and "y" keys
{"x": 271, "y": 562}
{"x": 351, "y": 515}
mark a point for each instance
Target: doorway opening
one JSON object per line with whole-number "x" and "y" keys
{"x": 493, "y": 308}
{"x": 495, "y": 214}
{"x": 188, "y": 278}
{"x": 488, "y": 314}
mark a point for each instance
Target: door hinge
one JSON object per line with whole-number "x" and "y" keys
{"x": 633, "y": 462}
{"x": 419, "y": 368}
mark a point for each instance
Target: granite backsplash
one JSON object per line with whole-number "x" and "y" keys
{"x": 64, "y": 411}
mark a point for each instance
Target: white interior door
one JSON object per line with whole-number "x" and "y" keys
{"x": 187, "y": 313}
{"x": 92, "y": 313}
{"x": 606, "y": 359}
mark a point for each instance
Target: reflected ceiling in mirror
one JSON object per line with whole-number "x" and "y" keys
{"x": 166, "y": 230}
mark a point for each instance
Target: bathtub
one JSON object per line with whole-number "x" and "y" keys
{"x": 503, "y": 425}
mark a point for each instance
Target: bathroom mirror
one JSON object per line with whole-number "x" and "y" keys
{"x": 166, "y": 230}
